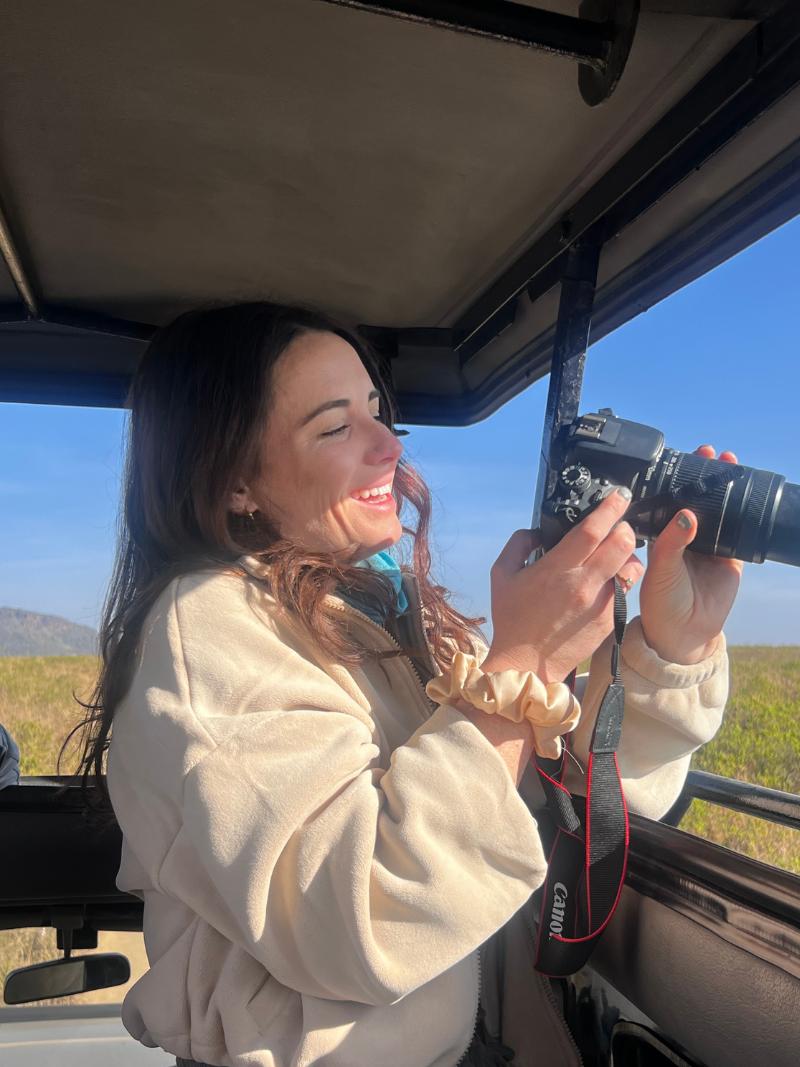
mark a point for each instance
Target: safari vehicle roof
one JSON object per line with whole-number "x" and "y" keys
{"x": 420, "y": 181}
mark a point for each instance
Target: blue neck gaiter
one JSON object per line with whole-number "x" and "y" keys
{"x": 386, "y": 564}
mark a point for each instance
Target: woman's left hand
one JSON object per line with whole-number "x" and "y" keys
{"x": 685, "y": 597}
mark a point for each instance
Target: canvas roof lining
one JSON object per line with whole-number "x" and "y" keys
{"x": 709, "y": 46}
{"x": 145, "y": 173}
{"x": 112, "y": 218}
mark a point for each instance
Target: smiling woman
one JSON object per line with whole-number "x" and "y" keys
{"x": 316, "y": 762}
{"x": 261, "y": 447}
{"x": 254, "y": 431}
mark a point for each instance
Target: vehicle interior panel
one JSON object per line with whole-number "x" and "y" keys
{"x": 718, "y": 1001}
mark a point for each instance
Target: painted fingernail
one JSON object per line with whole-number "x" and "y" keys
{"x": 684, "y": 521}
{"x": 624, "y": 492}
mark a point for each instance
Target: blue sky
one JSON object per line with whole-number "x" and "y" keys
{"x": 716, "y": 363}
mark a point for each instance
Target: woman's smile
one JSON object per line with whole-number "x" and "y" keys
{"x": 376, "y": 496}
{"x": 380, "y": 503}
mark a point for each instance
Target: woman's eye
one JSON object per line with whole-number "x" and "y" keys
{"x": 341, "y": 429}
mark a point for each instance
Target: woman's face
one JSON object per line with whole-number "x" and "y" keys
{"x": 323, "y": 448}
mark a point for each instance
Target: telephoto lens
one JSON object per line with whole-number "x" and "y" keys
{"x": 743, "y": 513}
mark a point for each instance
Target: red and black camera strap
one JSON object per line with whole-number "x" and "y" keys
{"x": 587, "y": 842}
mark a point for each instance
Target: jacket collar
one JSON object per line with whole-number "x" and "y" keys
{"x": 412, "y": 631}
{"x": 410, "y": 586}
{"x": 259, "y": 569}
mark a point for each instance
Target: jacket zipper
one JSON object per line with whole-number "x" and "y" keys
{"x": 477, "y": 1010}
{"x": 344, "y": 606}
{"x": 544, "y": 983}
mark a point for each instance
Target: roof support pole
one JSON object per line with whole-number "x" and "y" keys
{"x": 8, "y": 251}
{"x": 578, "y": 284}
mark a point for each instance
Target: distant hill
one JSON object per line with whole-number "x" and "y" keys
{"x": 27, "y": 633}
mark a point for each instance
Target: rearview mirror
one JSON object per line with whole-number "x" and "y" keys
{"x": 62, "y": 978}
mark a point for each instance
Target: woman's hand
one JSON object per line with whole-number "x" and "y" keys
{"x": 548, "y": 617}
{"x": 685, "y": 597}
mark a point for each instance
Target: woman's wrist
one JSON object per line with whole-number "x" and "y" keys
{"x": 513, "y": 741}
{"x": 498, "y": 689}
{"x": 685, "y": 655}
{"x": 498, "y": 661}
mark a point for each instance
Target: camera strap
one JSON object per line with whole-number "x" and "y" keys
{"x": 587, "y": 842}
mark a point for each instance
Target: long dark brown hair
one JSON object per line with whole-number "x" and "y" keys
{"x": 199, "y": 402}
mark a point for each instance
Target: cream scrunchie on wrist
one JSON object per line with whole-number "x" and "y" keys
{"x": 552, "y": 710}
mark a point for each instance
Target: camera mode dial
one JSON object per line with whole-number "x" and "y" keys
{"x": 575, "y": 477}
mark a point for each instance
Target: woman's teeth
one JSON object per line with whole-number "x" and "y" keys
{"x": 371, "y": 494}
{"x": 379, "y": 497}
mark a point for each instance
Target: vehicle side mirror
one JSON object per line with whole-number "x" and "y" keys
{"x": 63, "y": 978}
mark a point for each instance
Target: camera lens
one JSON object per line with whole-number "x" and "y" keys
{"x": 742, "y": 513}
{"x": 784, "y": 543}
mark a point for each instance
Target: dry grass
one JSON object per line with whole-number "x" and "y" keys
{"x": 759, "y": 742}
{"x": 38, "y": 709}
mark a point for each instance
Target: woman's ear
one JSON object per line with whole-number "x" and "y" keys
{"x": 241, "y": 502}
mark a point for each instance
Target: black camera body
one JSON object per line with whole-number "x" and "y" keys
{"x": 598, "y": 452}
{"x": 742, "y": 513}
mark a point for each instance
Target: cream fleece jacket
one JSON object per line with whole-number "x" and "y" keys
{"x": 319, "y": 850}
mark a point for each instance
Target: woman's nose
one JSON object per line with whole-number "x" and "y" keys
{"x": 387, "y": 448}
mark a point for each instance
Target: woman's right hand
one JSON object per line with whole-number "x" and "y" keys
{"x": 549, "y": 616}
